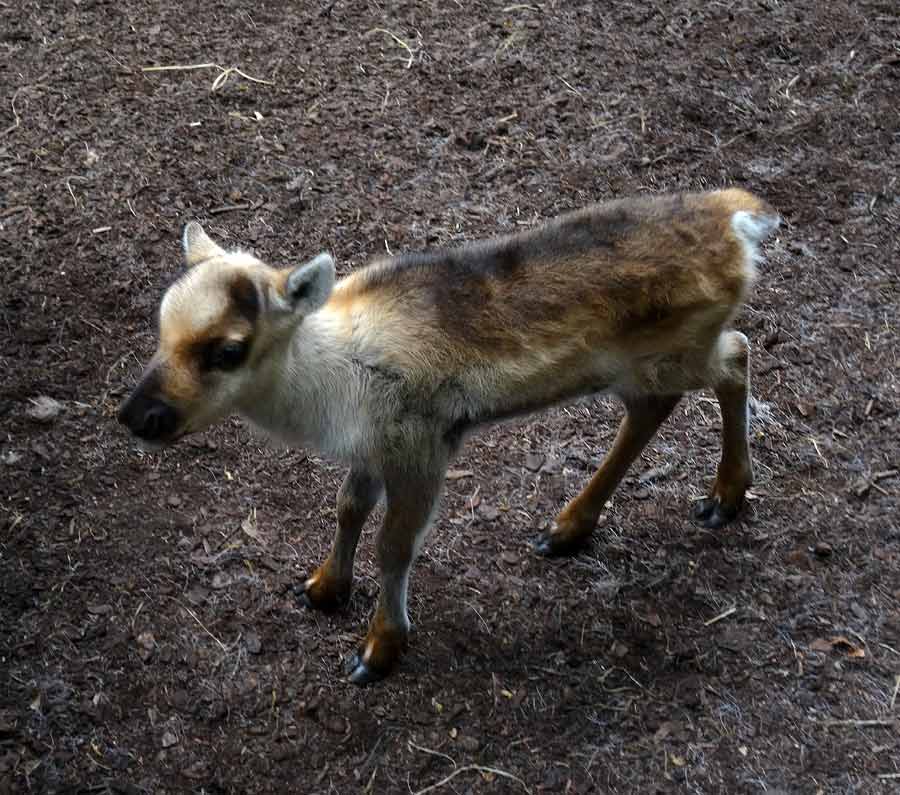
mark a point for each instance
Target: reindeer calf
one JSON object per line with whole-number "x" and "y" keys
{"x": 390, "y": 368}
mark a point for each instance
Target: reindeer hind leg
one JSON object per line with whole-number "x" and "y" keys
{"x": 575, "y": 523}
{"x": 731, "y": 384}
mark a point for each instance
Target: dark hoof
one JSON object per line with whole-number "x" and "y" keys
{"x": 303, "y": 597}
{"x": 358, "y": 673}
{"x": 712, "y": 513}
{"x": 551, "y": 546}
{"x": 330, "y": 605}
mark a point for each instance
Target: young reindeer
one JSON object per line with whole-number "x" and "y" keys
{"x": 390, "y": 368}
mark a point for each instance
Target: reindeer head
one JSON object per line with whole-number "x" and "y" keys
{"x": 216, "y": 325}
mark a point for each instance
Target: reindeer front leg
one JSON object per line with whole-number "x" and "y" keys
{"x": 328, "y": 588}
{"x": 412, "y": 499}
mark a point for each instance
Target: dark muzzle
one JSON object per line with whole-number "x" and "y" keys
{"x": 148, "y": 418}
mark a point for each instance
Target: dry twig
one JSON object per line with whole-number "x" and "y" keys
{"x": 397, "y": 39}
{"x": 221, "y": 78}
{"x": 467, "y": 768}
{"x": 203, "y": 627}
{"x": 16, "y": 119}
{"x": 425, "y": 750}
{"x": 860, "y": 724}
{"x": 229, "y": 208}
{"x": 725, "y": 614}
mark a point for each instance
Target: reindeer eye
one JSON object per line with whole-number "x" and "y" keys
{"x": 227, "y": 355}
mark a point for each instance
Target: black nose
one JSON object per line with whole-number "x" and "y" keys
{"x": 148, "y": 418}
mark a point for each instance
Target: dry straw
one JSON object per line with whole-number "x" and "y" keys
{"x": 221, "y": 78}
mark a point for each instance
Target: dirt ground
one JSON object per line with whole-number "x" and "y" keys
{"x": 150, "y": 637}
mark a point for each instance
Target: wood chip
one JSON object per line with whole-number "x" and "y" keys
{"x": 44, "y": 409}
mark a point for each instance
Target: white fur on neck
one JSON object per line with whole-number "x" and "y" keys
{"x": 309, "y": 393}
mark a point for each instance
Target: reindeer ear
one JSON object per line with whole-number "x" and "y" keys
{"x": 197, "y": 245}
{"x": 309, "y": 286}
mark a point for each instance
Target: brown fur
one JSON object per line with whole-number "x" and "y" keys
{"x": 649, "y": 273}
{"x": 182, "y": 350}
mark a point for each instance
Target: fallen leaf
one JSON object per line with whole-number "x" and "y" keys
{"x": 44, "y": 409}
{"x": 837, "y": 643}
{"x": 805, "y": 408}
{"x": 250, "y": 528}
{"x": 459, "y": 474}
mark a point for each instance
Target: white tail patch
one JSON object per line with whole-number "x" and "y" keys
{"x": 751, "y": 229}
